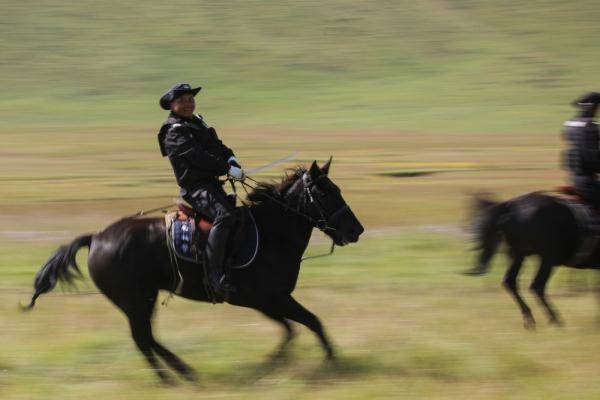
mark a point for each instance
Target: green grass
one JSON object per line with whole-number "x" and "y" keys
{"x": 404, "y": 321}
{"x": 426, "y": 66}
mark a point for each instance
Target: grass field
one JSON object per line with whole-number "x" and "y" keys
{"x": 427, "y": 66}
{"x": 420, "y": 103}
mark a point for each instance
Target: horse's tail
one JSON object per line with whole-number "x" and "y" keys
{"x": 62, "y": 267}
{"x": 488, "y": 221}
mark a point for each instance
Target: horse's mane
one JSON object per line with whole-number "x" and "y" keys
{"x": 263, "y": 191}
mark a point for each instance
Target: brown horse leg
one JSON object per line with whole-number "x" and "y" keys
{"x": 293, "y": 310}
{"x": 289, "y": 332}
{"x": 510, "y": 283}
{"x": 538, "y": 286}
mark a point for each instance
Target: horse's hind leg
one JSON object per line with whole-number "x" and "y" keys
{"x": 510, "y": 283}
{"x": 293, "y": 310}
{"x": 538, "y": 286}
{"x": 140, "y": 321}
{"x": 175, "y": 362}
{"x": 141, "y": 331}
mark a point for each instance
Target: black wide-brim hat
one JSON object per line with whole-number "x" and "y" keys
{"x": 588, "y": 100}
{"x": 176, "y": 91}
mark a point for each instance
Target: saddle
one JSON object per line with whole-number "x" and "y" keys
{"x": 570, "y": 193}
{"x": 588, "y": 221}
{"x": 187, "y": 235}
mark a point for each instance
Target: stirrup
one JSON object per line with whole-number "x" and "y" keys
{"x": 222, "y": 286}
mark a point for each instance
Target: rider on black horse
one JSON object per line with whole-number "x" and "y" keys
{"x": 583, "y": 156}
{"x": 198, "y": 158}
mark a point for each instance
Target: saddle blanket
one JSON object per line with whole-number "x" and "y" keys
{"x": 187, "y": 237}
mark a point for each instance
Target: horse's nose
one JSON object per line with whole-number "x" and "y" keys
{"x": 355, "y": 232}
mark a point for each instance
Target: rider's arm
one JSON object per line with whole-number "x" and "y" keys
{"x": 235, "y": 169}
{"x": 213, "y": 133}
{"x": 180, "y": 143}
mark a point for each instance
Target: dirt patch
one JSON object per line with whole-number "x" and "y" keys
{"x": 408, "y": 174}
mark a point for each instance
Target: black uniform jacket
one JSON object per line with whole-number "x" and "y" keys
{"x": 583, "y": 155}
{"x": 197, "y": 155}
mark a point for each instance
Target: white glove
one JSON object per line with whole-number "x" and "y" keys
{"x": 236, "y": 173}
{"x": 235, "y": 169}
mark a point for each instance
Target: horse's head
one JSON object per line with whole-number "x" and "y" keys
{"x": 326, "y": 206}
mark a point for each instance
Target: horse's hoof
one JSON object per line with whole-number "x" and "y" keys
{"x": 331, "y": 357}
{"x": 169, "y": 382}
{"x": 26, "y": 308}
{"x": 278, "y": 356}
{"x": 191, "y": 376}
{"x": 529, "y": 324}
{"x": 166, "y": 379}
{"x": 556, "y": 322}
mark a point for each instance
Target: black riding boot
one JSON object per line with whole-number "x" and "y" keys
{"x": 215, "y": 253}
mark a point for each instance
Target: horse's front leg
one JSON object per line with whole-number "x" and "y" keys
{"x": 293, "y": 310}
{"x": 289, "y": 333}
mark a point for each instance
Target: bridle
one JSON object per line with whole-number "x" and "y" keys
{"x": 323, "y": 221}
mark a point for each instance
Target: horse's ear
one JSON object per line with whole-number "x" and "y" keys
{"x": 314, "y": 170}
{"x": 325, "y": 167}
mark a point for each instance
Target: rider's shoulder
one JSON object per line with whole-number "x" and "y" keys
{"x": 174, "y": 124}
{"x": 175, "y": 130}
{"x": 200, "y": 120}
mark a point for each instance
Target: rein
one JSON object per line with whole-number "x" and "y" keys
{"x": 321, "y": 224}
{"x": 141, "y": 213}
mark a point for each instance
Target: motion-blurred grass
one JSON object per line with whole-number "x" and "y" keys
{"x": 421, "y": 103}
{"x": 430, "y": 65}
{"x": 405, "y": 323}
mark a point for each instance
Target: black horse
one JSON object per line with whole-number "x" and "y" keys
{"x": 533, "y": 224}
{"x": 129, "y": 261}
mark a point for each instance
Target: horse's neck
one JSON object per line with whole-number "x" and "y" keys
{"x": 287, "y": 227}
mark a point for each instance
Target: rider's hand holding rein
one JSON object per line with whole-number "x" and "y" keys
{"x": 235, "y": 170}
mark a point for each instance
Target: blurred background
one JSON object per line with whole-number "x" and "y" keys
{"x": 421, "y": 103}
